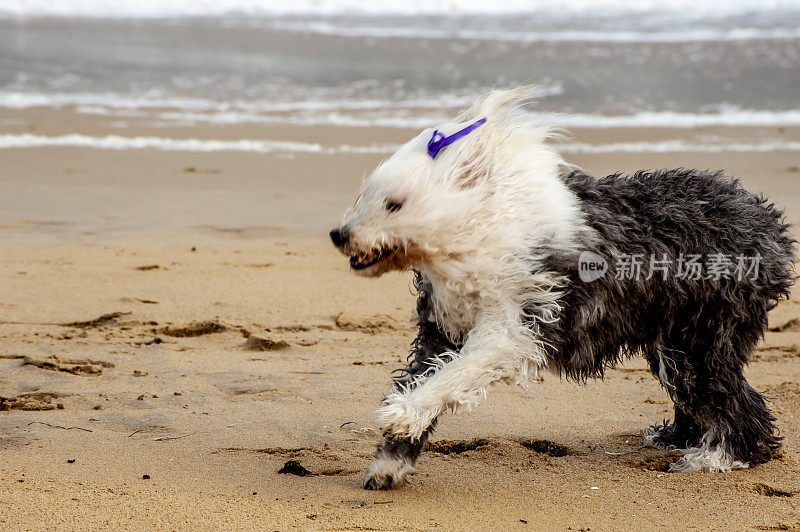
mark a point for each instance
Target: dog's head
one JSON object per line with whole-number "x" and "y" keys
{"x": 415, "y": 208}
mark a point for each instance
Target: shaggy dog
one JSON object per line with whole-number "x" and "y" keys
{"x": 509, "y": 258}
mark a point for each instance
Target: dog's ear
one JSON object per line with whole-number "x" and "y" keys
{"x": 473, "y": 169}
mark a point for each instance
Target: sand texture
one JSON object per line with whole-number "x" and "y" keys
{"x": 111, "y": 373}
{"x": 183, "y": 349}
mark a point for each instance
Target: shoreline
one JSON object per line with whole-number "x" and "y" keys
{"x": 84, "y": 193}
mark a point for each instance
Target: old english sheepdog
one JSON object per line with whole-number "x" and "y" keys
{"x": 514, "y": 269}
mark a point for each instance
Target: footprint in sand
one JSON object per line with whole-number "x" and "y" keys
{"x": 369, "y": 324}
{"x": 549, "y": 448}
{"x": 195, "y": 329}
{"x": 32, "y": 401}
{"x": 769, "y": 491}
{"x": 76, "y": 366}
{"x": 257, "y": 343}
{"x": 102, "y": 321}
{"x": 793, "y": 325}
{"x": 660, "y": 463}
{"x": 786, "y": 391}
{"x": 455, "y": 446}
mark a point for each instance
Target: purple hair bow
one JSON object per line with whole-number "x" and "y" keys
{"x": 439, "y": 141}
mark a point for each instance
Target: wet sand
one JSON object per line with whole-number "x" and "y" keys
{"x": 131, "y": 280}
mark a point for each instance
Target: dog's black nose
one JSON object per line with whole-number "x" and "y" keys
{"x": 340, "y": 236}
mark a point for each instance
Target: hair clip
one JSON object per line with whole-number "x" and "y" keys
{"x": 439, "y": 141}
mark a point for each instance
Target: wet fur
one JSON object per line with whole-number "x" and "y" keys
{"x": 707, "y": 329}
{"x": 697, "y": 335}
{"x": 503, "y": 299}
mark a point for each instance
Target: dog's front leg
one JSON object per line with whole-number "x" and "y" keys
{"x": 396, "y": 456}
{"x": 496, "y": 352}
{"x": 394, "y": 461}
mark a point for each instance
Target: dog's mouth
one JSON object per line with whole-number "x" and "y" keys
{"x": 362, "y": 261}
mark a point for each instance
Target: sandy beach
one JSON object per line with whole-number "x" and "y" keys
{"x": 131, "y": 397}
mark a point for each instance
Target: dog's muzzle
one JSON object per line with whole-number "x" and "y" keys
{"x": 340, "y": 236}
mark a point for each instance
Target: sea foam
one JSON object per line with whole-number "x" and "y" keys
{"x": 411, "y": 113}
{"x": 117, "y": 142}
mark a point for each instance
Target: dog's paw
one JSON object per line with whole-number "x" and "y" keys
{"x": 401, "y": 417}
{"x": 670, "y": 436}
{"x": 657, "y": 436}
{"x": 385, "y": 473}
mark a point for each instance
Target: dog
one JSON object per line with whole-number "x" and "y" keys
{"x": 512, "y": 262}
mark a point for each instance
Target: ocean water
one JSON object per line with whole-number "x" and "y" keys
{"x": 404, "y": 64}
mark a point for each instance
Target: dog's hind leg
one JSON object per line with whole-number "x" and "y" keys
{"x": 740, "y": 428}
{"x": 708, "y": 385}
{"x": 684, "y": 431}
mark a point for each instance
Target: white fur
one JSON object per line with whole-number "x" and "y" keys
{"x": 383, "y": 468}
{"x": 469, "y": 220}
{"x": 662, "y": 371}
{"x": 650, "y": 436}
{"x": 714, "y": 457}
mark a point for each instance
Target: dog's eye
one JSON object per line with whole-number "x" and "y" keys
{"x": 393, "y": 206}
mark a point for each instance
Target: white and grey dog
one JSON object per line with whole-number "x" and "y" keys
{"x": 498, "y": 237}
